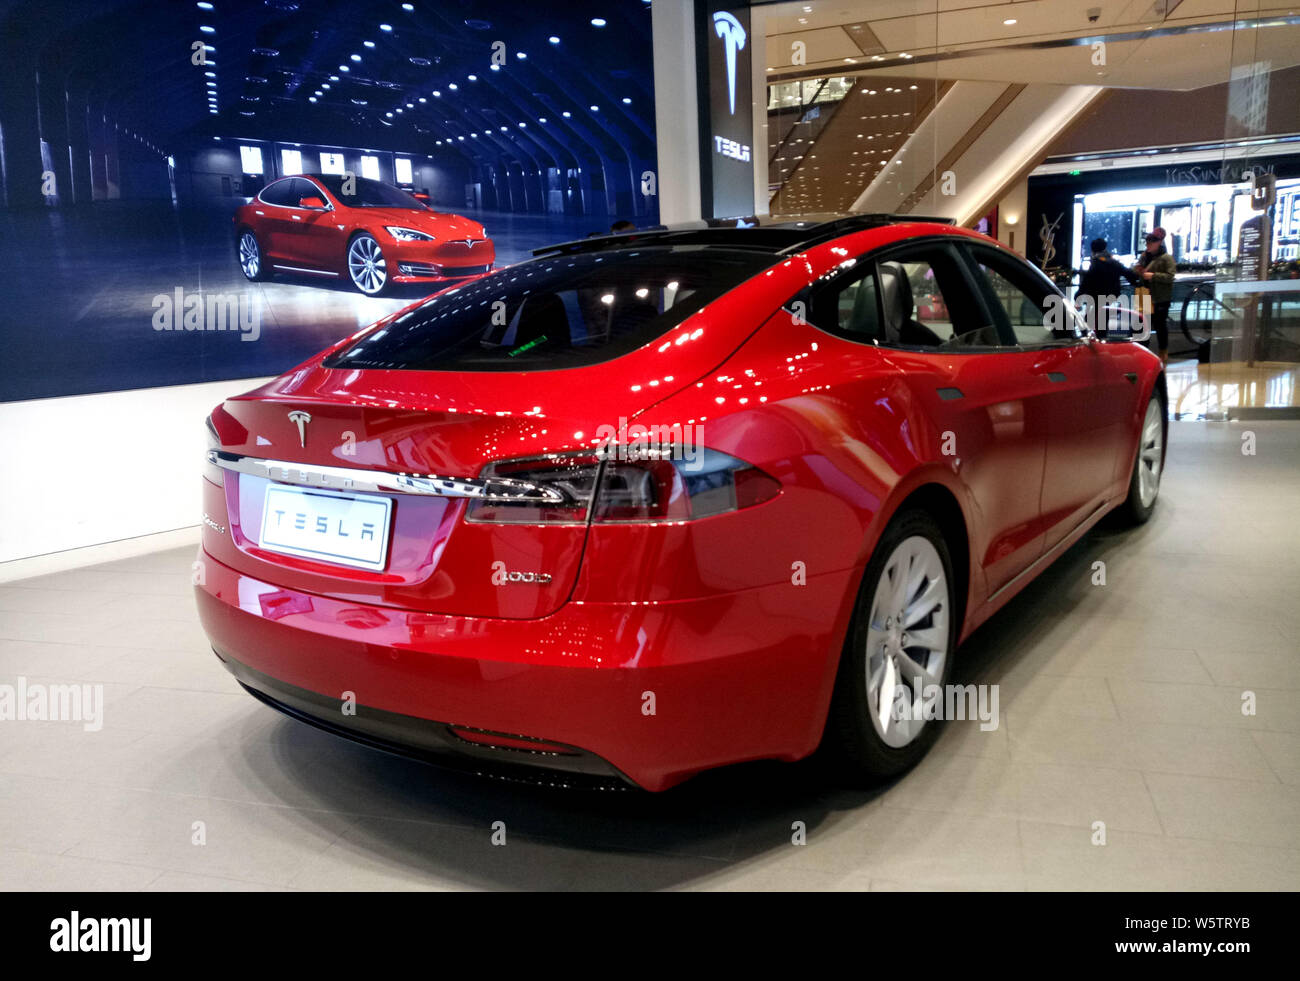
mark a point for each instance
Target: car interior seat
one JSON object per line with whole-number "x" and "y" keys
{"x": 900, "y": 327}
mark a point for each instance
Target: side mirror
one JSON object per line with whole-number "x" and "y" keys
{"x": 1124, "y": 321}
{"x": 312, "y": 203}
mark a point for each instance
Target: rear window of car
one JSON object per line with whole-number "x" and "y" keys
{"x": 554, "y": 312}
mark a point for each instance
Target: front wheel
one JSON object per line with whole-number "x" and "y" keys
{"x": 250, "y": 257}
{"x": 899, "y": 650}
{"x": 1148, "y": 466}
{"x": 366, "y": 265}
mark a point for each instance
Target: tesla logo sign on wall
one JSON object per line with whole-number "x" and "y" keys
{"x": 725, "y": 50}
{"x": 733, "y": 37}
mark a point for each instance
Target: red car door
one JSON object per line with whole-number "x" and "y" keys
{"x": 301, "y": 231}
{"x": 1085, "y": 398}
{"x": 979, "y": 406}
{"x": 273, "y": 207}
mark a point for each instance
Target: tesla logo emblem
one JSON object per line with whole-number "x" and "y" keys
{"x": 300, "y": 419}
{"x": 733, "y": 37}
{"x": 469, "y": 243}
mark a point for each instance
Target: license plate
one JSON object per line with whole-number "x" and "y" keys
{"x": 345, "y": 529}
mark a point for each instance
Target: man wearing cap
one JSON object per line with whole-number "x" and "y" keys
{"x": 1157, "y": 267}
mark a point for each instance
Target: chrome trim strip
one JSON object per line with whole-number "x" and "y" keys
{"x": 491, "y": 489}
{"x": 314, "y": 272}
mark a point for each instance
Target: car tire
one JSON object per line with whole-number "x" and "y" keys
{"x": 252, "y": 260}
{"x": 366, "y": 265}
{"x": 859, "y": 741}
{"x": 1148, "y": 466}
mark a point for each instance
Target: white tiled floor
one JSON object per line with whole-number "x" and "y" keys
{"x": 1119, "y": 704}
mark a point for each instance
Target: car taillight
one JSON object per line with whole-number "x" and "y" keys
{"x": 569, "y": 480}
{"x": 210, "y": 470}
{"x": 617, "y": 486}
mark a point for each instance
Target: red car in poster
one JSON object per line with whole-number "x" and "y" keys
{"x": 659, "y": 502}
{"x": 371, "y": 233}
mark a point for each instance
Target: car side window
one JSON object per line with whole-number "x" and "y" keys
{"x": 925, "y": 301}
{"x": 913, "y": 298}
{"x": 303, "y": 188}
{"x": 1034, "y": 311}
{"x": 847, "y": 306}
{"x": 281, "y": 192}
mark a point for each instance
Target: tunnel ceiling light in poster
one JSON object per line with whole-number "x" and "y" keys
{"x": 727, "y": 164}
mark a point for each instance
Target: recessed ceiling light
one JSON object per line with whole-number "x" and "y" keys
{"x": 207, "y": 30}
{"x": 1009, "y": 21}
{"x": 598, "y": 22}
{"x": 385, "y": 27}
{"x": 452, "y": 86}
{"x": 356, "y": 57}
{"x": 368, "y": 44}
{"x": 553, "y": 39}
{"x": 473, "y": 78}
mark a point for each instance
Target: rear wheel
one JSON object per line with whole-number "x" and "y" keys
{"x": 899, "y": 647}
{"x": 1148, "y": 466}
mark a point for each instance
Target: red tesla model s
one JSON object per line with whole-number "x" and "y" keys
{"x": 654, "y": 503}
{"x": 372, "y": 233}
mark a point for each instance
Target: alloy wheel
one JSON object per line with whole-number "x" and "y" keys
{"x": 907, "y": 639}
{"x": 366, "y": 265}
{"x": 250, "y": 256}
{"x": 1151, "y": 454}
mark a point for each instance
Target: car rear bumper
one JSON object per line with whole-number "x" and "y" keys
{"x": 646, "y": 694}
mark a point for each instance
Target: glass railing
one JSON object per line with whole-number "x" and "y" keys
{"x": 798, "y": 112}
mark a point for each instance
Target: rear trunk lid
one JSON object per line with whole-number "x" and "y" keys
{"x": 624, "y": 331}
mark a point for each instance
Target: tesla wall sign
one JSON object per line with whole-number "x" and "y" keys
{"x": 725, "y": 50}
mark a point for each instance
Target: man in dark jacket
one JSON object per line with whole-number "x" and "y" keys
{"x": 1157, "y": 267}
{"x": 1099, "y": 286}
